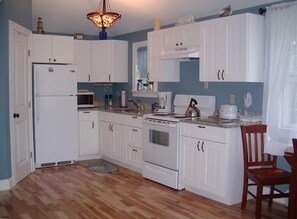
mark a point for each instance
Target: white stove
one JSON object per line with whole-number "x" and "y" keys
{"x": 206, "y": 105}
{"x": 161, "y": 139}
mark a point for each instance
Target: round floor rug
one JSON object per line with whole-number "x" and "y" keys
{"x": 102, "y": 167}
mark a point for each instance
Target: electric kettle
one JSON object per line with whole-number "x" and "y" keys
{"x": 192, "y": 110}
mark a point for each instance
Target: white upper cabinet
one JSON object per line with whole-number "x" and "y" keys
{"x": 232, "y": 49}
{"x": 51, "y": 49}
{"x": 160, "y": 70}
{"x": 83, "y": 60}
{"x": 109, "y": 61}
{"x": 181, "y": 36}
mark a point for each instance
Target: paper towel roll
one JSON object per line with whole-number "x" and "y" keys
{"x": 123, "y": 98}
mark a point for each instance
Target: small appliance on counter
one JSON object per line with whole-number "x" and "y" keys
{"x": 123, "y": 102}
{"x": 228, "y": 111}
{"x": 85, "y": 99}
{"x": 164, "y": 100}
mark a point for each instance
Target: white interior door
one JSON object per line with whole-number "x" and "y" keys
{"x": 20, "y": 110}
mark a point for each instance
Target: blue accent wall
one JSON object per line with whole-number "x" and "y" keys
{"x": 21, "y": 13}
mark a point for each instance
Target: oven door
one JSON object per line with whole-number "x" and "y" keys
{"x": 160, "y": 143}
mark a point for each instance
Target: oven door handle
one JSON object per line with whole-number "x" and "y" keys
{"x": 154, "y": 124}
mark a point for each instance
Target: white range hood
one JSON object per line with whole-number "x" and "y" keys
{"x": 188, "y": 53}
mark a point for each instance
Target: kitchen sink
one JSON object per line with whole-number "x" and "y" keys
{"x": 125, "y": 110}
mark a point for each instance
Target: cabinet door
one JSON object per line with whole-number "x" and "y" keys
{"x": 41, "y": 48}
{"x": 213, "y": 53}
{"x": 88, "y": 137}
{"x": 101, "y": 61}
{"x": 82, "y": 59}
{"x": 190, "y": 162}
{"x": 134, "y": 156}
{"x": 119, "y": 61}
{"x": 107, "y": 139}
{"x": 120, "y": 146}
{"x": 160, "y": 70}
{"x": 213, "y": 175}
{"x": 62, "y": 51}
{"x": 181, "y": 36}
{"x": 134, "y": 136}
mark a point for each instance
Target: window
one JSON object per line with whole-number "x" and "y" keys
{"x": 140, "y": 76}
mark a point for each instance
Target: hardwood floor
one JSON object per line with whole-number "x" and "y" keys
{"x": 76, "y": 192}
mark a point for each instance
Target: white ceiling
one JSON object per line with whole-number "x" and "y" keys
{"x": 69, "y": 16}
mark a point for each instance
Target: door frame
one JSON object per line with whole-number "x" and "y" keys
{"x": 13, "y": 26}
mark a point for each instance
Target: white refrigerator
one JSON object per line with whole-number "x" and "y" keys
{"x": 55, "y": 114}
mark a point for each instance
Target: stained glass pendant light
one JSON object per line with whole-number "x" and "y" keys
{"x": 103, "y": 18}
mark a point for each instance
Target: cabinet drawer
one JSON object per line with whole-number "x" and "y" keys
{"x": 134, "y": 137}
{"x": 134, "y": 156}
{"x": 113, "y": 118}
{"x": 204, "y": 132}
{"x": 88, "y": 115}
{"x": 135, "y": 121}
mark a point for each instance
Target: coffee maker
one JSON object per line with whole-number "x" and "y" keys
{"x": 164, "y": 100}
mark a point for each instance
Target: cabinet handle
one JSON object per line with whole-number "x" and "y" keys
{"x": 201, "y": 127}
{"x": 92, "y": 125}
{"x": 148, "y": 74}
{"x": 198, "y": 143}
{"x": 134, "y": 117}
{"x": 111, "y": 127}
{"x": 134, "y": 130}
{"x": 181, "y": 43}
{"x": 223, "y": 75}
{"x": 49, "y": 60}
{"x": 89, "y": 79}
{"x": 134, "y": 150}
{"x": 176, "y": 44}
{"x": 109, "y": 77}
{"x": 202, "y": 148}
{"x": 218, "y": 74}
{"x": 87, "y": 112}
{"x": 55, "y": 60}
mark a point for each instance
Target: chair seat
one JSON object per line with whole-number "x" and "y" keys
{"x": 269, "y": 176}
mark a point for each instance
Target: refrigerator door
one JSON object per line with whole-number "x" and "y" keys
{"x": 56, "y": 130}
{"x": 52, "y": 80}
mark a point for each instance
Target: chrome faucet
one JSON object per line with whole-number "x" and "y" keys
{"x": 137, "y": 104}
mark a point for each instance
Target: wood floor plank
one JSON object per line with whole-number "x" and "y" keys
{"x": 76, "y": 192}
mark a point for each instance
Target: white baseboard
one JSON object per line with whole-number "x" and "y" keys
{"x": 5, "y": 184}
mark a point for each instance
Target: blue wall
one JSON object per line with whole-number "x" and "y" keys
{"x": 21, "y": 13}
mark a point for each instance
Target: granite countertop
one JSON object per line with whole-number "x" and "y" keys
{"x": 217, "y": 122}
{"x": 125, "y": 111}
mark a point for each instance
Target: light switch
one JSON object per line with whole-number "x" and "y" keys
{"x": 232, "y": 99}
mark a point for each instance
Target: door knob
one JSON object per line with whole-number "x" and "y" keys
{"x": 16, "y": 115}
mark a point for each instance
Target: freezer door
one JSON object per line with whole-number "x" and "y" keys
{"x": 56, "y": 129}
{"x": 52, "y": 80}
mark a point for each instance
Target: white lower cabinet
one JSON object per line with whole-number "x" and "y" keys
{"x": 113, "y": 140}
{"x": 88, "y": 133}
{"x": 134, "y": 153}
{"x": 121, "y": 139}
{"x": 211, "y": 166}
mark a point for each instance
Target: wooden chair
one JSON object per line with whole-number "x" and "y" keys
{"x": 260, "y": 168}
{"x": 292, "y": 160}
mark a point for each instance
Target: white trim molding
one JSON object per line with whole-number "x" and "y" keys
{"x": 6, "y": 184}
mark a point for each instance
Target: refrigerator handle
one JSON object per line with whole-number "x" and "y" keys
{"x": 37, "y": 108}
{"x": 36, "y": 82}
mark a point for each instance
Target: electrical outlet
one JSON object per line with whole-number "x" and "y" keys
{"x": 232, "y": 99}
{"x": 205, "y": 85}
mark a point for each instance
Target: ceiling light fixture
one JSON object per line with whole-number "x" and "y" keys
{"x": 103, "y": 18}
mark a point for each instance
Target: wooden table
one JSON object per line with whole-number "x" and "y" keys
{"x": 291, "y": 158}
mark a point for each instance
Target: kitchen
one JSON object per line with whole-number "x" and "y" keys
{"x": 190, "y": 70}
